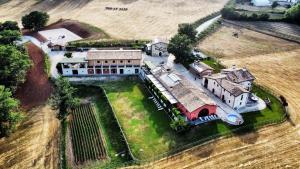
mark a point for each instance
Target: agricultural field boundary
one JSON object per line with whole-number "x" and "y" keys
{"x": 274, "y": 34}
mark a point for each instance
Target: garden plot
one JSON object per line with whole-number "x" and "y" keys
{"x": 87, "y": 142}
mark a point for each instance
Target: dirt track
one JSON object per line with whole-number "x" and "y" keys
{"x": 37, "y": 88}
{"x": 270, "y": 147}
{"x": 144, "y": 19}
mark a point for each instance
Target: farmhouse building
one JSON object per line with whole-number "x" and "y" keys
{"x": 57, "y": 39}
{"x": 232, "y": 94}
{"x": 104, "y": 62}
{"x": 240, "y": 76}
{"x": 200, "y": 69}
{"x": 173, "y": 90}
{"x": 158, "y": 47}
{"x": 261, "y": 3}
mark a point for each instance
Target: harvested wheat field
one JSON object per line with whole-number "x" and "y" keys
{"x": 35, "y": 144}
{"x": 277, "y": 67}
{"x": 143, "y": 19}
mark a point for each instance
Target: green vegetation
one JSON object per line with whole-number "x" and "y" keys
{"x": 149, "y": 133}
{"x": 13, "y": 66}
{"x": 181, "y": 46}
{"x": 293, "y": 14}
{"x": 217, "y": 66}
{"x": 68, "y": 55}
{"x": 63, "y": 97}
{"x": 135, "y": 44}
{"x": 188, "y": 30}
{"x": 211, "y": 29}
{"x": 9, "y": 25}
{"x": 35, "y": 20}
{"x": 8, "y": 37}
{"x": 47, "y": 65}
{"x": 62, "y": 148}
{"x": 86, "y": 139}
{"x": 9, "y": 112}
{"x": 115, "y": 143}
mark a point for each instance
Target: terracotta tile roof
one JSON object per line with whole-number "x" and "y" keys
{"x": 114, "y": 54}
{"x": 233, "y": 88}
{"x": 190, "y": 96}
{"x": 200, "y": 66}
{"x": 238, "y": 75}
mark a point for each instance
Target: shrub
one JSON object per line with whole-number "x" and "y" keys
{"x": 264, "y": 17}
{"x": 68, "y": 55}
{"x": 293, "y": 14}
{"x": 47, "y": 66}
{"x": 275, "y": 4}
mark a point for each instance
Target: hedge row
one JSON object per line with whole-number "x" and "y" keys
{"x": 208, "y": 17}
{"x": 135, "y": 44}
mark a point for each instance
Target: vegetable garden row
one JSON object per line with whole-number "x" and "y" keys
{"x": 87, "y": 142}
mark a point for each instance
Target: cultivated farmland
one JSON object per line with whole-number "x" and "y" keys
{"x": 87, "y": 142}
{"x": 144, "y": 19}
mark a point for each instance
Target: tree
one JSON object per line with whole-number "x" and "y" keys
{"x": 188, "y": 30}
{"x": 275, "y": 4}
{"x": 8, "y": 37}
{"x": 180, "y": 46}
{"x": 9, "y": 25}
{"x": 63, "y": 97}
{"x": 293, "y": 14}
{"x": 35, "y": 20}
{"x": 9, "y": 112}
{"x": 178, "y": 124}
{"x": 13, "y": 66}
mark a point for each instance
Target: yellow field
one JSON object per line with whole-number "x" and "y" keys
{"x": 144, "y": 19}
{"x": 35, "y": 144}
{"x": 275, "y": 64}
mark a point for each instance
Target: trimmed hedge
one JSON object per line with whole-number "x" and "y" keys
{"x": 135, "y": 44}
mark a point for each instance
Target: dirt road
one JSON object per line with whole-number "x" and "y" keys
{"x": 35, "y": 143}
{"x": 143, "y": 19}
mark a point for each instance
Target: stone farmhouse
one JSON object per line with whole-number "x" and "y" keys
{"x": 103, "y": 62}
{"x": 232, "y": 86}
{"x": 175, "y": 92}
{"x": 158, "y": 47}
{"x": 200, "y": 69}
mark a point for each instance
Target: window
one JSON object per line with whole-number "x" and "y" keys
{"x": 106, "y": 61}
{"x": 242, "y": 97}
{"x": 136, "y": 71}
{"x": 98, "y": 61}
{"x": 129, "y": 61}
{"x": 114, "y": 61}
{"x": 240, "y": 103}
{"x": 121, "y": 61}
{"x": 228, "y": 101}
{"x": 214, "y": 83}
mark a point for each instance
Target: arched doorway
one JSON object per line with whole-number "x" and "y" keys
{"x": 223, "y": 98}
{"x": 160, "y": 54}
{"x": 213, "y": 91}
{"x": 203, "y": 112}
{"x": 205, "y": 83}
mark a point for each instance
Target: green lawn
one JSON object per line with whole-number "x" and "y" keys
{"x": 147, "y": 130}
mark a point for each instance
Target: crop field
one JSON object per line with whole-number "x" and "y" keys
{"x": 144, "y": 19}
{"x": 87, "y": 142}
{"x": 276, "y": 67}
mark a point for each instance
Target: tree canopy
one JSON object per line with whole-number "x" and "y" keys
{"x": 293, "y": 14}
{"x": 35, "y": 20}
{"x": 8, "y": 37}
{"x": 180, "y": 46}
{"x": 188, "y": 30}
{"x": 63, "y": 97}
{"x": 9, "y": 25}
{"x": 9, "y": 112}
{"x": 13, "y": 66}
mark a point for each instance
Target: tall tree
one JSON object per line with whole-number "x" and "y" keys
{"x": 8, "y": 37}
{"x": 188, "y": 30}
{"x": 63, "y": 97}
{"x": 293, "y": 13}
{"x": 35, "y": 20}
{"x": 180, "y": 46}
{"x": 14, "y": 65}
{"x": 9, "y": 112}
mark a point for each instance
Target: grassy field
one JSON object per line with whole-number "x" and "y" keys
{"x": 147, "y": 129}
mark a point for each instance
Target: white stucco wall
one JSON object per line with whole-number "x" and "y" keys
{"x": 82, "y": 71}
{"x": 67, "y": 72}
{"x": 246, "y": 85}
